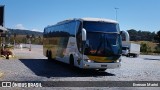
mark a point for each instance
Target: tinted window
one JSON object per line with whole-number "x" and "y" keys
{"x": 62, "y": 30}
{"x": 102, "y": 44}
{"x": 100, "y": 26}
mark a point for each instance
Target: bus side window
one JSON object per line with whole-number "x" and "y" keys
{"x": 79, "y": 38}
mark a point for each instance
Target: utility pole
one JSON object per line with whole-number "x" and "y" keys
{"x": 30, "y": 45}
{"x": 116, "y": 12}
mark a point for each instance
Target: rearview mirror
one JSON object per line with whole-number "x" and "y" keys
{"x": 126, "y": 35}
{"x": 84, "y": 34}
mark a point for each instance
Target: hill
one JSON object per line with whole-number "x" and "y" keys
{"x": 24, "y": 32}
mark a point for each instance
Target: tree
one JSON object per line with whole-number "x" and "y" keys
{"x": 157, "y": 37}
{"x": 141, "y": 35}
{"x": 40, "y": 40}
{"x": 133, "y": 34}
{"x": 33, "y": 38}
{"x": 15, "y": 35}
{"x": 27, "y": 38}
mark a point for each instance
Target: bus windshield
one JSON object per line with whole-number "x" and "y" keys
{"x": 101, "y": 27}
{"x": 100, "y": 42}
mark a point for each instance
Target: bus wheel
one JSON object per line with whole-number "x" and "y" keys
{"x": 101, "y": 70}
{"x": 49, "y": 55}
{"x": 71, "y": 60}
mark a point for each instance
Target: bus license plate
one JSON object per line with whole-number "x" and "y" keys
{"x": 103, "y": 65}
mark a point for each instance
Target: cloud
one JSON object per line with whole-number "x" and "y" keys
{"x": 20, "y": 26}
{"x": 36, "y": 30}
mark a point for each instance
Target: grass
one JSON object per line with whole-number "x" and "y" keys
{"x": 150, "y": 44}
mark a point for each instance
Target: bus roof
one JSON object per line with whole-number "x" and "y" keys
{"x": 87, "y": 19}
{"x": 99, "y": 20}
{"x": 90, "y": 19}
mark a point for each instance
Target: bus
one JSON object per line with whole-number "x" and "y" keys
{"x": 87, "y": 43}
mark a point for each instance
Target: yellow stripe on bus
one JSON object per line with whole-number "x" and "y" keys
{"x": 100, "y": 59}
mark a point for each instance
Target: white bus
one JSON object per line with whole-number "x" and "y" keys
{"x": 88, "y": 43}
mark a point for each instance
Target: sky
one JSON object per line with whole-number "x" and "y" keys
{"x": 34, "y": 15}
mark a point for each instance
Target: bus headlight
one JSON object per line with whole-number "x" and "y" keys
{"x": 119, "y": 60}
{"x": 90, "y": 61}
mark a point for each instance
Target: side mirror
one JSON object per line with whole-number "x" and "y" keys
{"x": 84, "y": 35}
{"x": 121, "y": 32}
{"x": 126, "y": 35}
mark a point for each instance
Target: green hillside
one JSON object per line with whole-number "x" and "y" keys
{"x": 24, "y": 32}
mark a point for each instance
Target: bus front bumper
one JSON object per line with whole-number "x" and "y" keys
{"x": 89, "y": 65}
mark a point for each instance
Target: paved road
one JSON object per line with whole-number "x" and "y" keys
{"x": 33, "y": 66}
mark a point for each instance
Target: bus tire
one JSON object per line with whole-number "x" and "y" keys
{"x": 71, "y": 60}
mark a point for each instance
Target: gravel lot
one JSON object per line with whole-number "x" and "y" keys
{"x": 33, "y": 66}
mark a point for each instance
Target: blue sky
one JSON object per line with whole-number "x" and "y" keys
{"x": 36, "y": 14}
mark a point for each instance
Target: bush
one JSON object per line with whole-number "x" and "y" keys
{"x": 157, "y": 49}
{"x": 145, "y": 48}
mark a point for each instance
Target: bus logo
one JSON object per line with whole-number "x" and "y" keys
{"x": 6, "y": 84}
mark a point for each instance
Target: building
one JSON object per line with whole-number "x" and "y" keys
{"x": 3, "y": 30}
